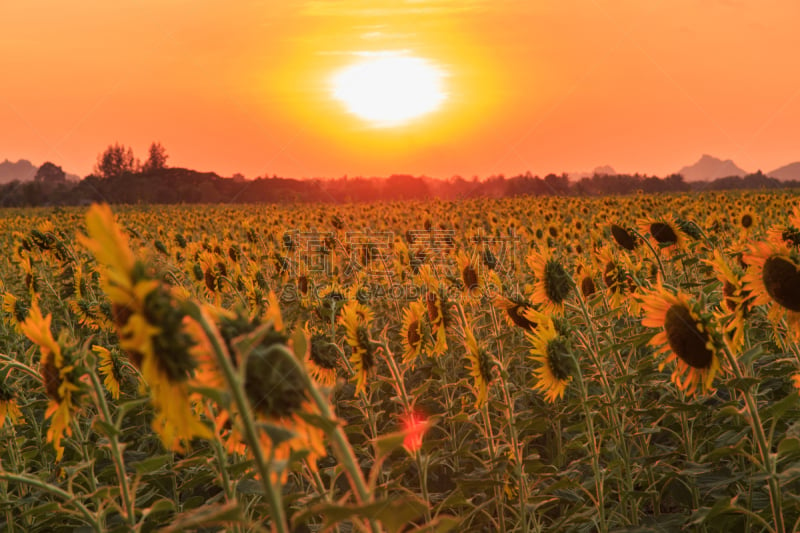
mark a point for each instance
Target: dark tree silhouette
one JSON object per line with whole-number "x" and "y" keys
{"x": 50, "y": 173}
{"x": 117, "y": 160}
{"x": 157, "y": 158}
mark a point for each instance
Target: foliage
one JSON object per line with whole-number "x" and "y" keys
{"x": 483, "y": 365}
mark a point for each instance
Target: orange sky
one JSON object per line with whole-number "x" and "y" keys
{"x": 544, "y": 86}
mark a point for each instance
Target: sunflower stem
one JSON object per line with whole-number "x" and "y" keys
{"x": 222, "y": 462}
{"x": 116, "y": 451}
{"x": 250, "y": 433}
{"x": 341, "y": 446}
{"x": 596, "y": 470}
{"x": 622, "y": 443}
{"x": 655, "y": 254}
{"x": 768, "y": 459}
{"x": 69, "y": 498}
{"x": 498, "y": 494}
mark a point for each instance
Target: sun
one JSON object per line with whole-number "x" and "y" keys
{"x": 389, "y": 89}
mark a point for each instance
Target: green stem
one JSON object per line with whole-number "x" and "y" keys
{"x": 245, "y": 411}
{"x": 64, "y": 495}
{"x": 655, "y": 254}
{"x": 768, "y": 459}
{"x": 599, "y": 487}
{"x": 227, "y": 486}
{"x": 116, "y": 452}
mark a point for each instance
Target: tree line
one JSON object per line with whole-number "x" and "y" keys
{"x": 119, "y": 177}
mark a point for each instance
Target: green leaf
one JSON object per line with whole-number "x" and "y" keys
{"x": 777, "y": 409}
{"x": 249, "y": 486}
{"x": 386, "y": 444}
{"x": 299, "y": 344}
{"x": 105, "y": 428}
{"x": 160, "y": 506}
{"x": 440, "y": 524}
{"x": 151, "y": 464}
{"x": 277, "y": 434}
{"x": 393, "y": 514}
{"x": 218, "y": 396}
{"x": 325, "y": 424}
{"x": 205, "y": 516}
{"x": 789, "y": 445}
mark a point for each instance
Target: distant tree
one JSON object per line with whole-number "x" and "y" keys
{"x": 157, "y": 158}
{"x": 117, "y": 160}
{"x": 50, "y": 173}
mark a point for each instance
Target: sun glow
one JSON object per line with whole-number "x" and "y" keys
{"x": 388, "y": 89}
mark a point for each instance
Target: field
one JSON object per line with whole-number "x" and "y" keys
{"x": 532, "y": 364}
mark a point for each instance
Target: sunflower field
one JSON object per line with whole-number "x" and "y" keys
{"x": 531, "y": 364}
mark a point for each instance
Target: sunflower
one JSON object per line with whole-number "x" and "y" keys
{"x": 15, "y": 309}
{"x": 274, "y": 386}
{"x": 110, "y": 368}
{"x": 788, "y": 234}
{"x": 439, "y": 318}
{"x": 586, "y": 274}
{"x": 687, "y": 336}
{"x": 322, "y": 359}
{"x": 624, "y": 237}
{"x": 747, "y": 221}
{"x": 8, "y": 405}
{"x": 150, "y": 323}
{"x": 356, "y": 319}
{"x": 480, "y": 368}
{"x": 553, "y": 283}
{"x": 616, "y": 276}
{"x": 516, "y": 308}
{"x": 554, "y": 354}
{"x": 413, "y": 337}
{"x": 665, "y": 233}
{"x": 59, "y": 375}
{"x": 735, "y": 303}
{"x": 471, "y": 278}
{"x": 773, "y": 277}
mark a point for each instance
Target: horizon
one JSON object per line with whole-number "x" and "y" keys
{"x": 474, "y": 89}
{"x": 572, "y": 175}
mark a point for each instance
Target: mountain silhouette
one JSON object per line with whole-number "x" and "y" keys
{"x": 710, "y": 168}
{"x": 22, "y": 170}
{"x": 786, "y": 172}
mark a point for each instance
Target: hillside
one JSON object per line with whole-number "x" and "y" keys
{"x": 788, "y": 172}
{"x": 711, "y": 168}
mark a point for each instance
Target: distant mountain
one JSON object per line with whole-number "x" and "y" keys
{"x": 605, "y": 170}
{"x": 710, "y": 168}
{"x": 22, "y": 170}
{"x": 786, "y": 172}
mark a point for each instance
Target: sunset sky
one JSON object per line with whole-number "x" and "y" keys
{"x": 541, "y": 86}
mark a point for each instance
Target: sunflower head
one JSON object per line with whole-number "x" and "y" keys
{"x": 470, "y": 274}
{"x": 553, "y": 352}
{"x": 323, "y": 359}
{"x": 553, "y": 283}
{"x": 16, "y": 310}
{"x": 517, "y": 311}
{"x": 624, "y": 237}
{"x": 356, "y": 319}
{"x": 413, "y": 336}
{"x": 687, "y": 335}
{"x": 665, "y": 233}
{"x": 773, "y": 278}
{"x": 8, "y": 404}
{"x": 481, "y": 365}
